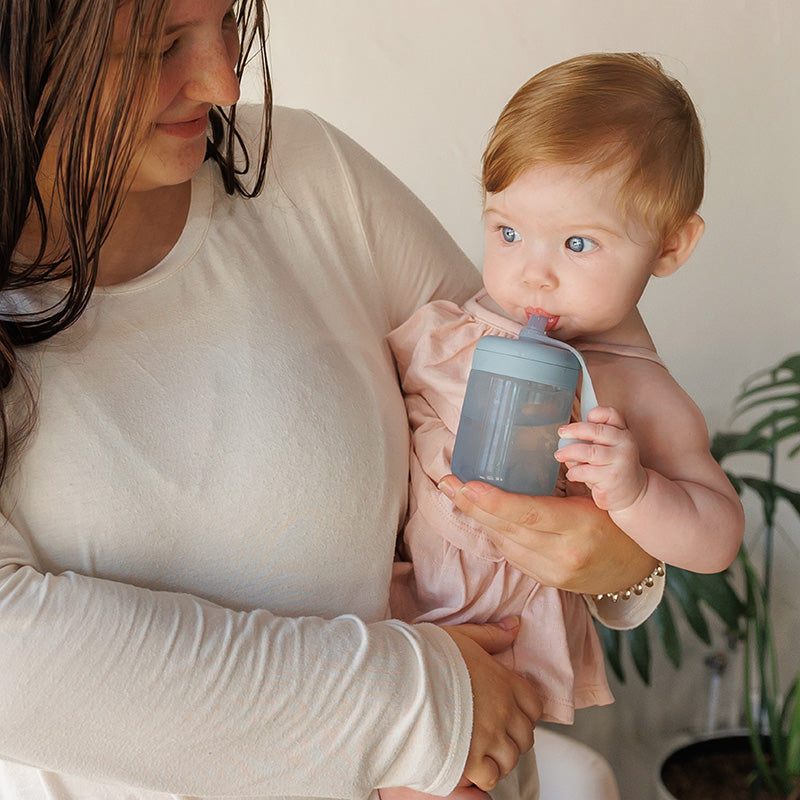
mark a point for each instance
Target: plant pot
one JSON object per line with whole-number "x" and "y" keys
{"x": 720, "y": 766}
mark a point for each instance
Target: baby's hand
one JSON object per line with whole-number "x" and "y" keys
{"x": 606, "y": 459}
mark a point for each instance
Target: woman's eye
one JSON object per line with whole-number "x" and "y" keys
{"x": 510, "y": 235}
{"x": 580, "y": 244}
{"x": 168, "y": 48}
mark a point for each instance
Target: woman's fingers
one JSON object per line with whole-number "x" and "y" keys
{"x": 566, "y": 542}
{"x": 493, "y": 637}
{"x": 522, "y": 735}
{"x": 502, "y": 511}
{"x": 503, "y": 754}
{"x": 483, "y": 773}
{"x": 504, "y": 705}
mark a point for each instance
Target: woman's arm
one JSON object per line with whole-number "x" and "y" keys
{"x": 165, "y": 691}
{"x": 413, "y": 258}
{"x": 566, "y": 542}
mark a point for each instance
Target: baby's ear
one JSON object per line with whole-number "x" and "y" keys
{"x": 679, "y": 246}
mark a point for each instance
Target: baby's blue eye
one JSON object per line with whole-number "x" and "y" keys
{"x": 579, "y": 244}
{"x": 510, "y": 235}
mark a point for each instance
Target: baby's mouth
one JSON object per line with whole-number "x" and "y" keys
{"x": 540, "y": 312}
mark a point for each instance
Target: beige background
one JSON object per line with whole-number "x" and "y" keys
{"x": 420, "y": 82}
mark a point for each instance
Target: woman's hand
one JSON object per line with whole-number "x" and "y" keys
{"x": 565, "y": 542}
{"x": 505, "y": 707}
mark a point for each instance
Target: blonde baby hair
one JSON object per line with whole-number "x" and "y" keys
{"x": 603, "y": 110}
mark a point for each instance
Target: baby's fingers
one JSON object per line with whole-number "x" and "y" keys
{"x": 596, "y": 432}
{"x": 573, "y": 453}
{"x": 605, "y": 415}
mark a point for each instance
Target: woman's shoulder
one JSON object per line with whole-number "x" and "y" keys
{"x": 249, "y": 118}
{"x": 303, "y": 140}
{"x": 296, "y": 135}
{"x": 299, "y": 127}
{"x": 309, "y": 159}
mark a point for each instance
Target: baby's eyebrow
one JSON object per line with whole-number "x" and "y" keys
{"x": 599, "y": 227}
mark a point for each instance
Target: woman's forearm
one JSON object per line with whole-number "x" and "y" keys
{"x": 168, "y": 692}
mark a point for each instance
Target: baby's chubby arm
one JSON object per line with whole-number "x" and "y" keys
{"x": 646, "y": 460}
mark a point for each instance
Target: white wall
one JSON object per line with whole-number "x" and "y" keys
{"x": 420, "y": 82}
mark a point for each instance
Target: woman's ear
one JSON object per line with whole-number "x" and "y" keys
{"x": 679, "y": 246}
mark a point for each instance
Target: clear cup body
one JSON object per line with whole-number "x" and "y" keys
{"x": 508, "y": 432}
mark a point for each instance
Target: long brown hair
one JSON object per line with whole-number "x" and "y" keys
{"x": 54, "y": 58}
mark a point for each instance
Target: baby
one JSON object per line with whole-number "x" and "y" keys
{"x": 592, "y": 181}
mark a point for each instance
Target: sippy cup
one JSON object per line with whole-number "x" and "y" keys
{"x": 519, "y": 392}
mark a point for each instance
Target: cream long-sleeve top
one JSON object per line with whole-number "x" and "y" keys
{"x": 198, "y": 536}
{"x": 217, "y": 477}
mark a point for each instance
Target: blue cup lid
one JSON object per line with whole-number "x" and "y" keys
{"x": 529, "y": 360}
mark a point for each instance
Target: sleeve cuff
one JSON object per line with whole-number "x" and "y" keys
{"x": 626, "y": 614}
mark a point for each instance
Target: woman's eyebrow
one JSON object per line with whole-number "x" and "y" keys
{"x": 177, "y": 26}
{"x": 186, "y": 23}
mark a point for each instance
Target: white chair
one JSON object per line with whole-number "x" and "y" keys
{"x": 571, "y": 770}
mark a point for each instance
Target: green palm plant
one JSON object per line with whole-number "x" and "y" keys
{"x": 772, "y": 398}
{"x": 773, "y": 395}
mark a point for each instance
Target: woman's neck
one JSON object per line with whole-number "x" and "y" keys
{"x": 145, "y": 230}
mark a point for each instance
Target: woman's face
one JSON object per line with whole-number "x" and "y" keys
{"x": 199, "y": 48}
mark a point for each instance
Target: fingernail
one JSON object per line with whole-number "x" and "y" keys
{"x": 509, "y": 623}
{"x": 470, "y": 493}
{"x": 446, "y": 489}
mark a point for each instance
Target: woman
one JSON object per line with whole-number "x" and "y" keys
{"x": 191, "y": 599}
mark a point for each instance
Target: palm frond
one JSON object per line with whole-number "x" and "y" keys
{"x": 777, "y": 390}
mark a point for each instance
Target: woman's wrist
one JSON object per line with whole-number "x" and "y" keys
{"x": 634, "y": 589}
{"x": 629, "y": 614}
{"x": 620, "y": 563}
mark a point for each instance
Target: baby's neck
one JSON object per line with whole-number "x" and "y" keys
{"x": 631, "y": 332}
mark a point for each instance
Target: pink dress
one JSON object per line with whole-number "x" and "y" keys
{"x": 455, "y": 573}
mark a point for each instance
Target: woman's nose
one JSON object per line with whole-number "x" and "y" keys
{"x": 214, "y": 78}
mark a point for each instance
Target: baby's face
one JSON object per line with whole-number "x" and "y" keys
{"x": 557, "y": 244}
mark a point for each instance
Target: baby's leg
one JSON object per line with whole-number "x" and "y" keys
{"x": 460, "y": 793}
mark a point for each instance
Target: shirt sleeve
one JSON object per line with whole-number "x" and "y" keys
{"x": 169, "y": 692}
{"x": 627, "y": 614}
{"x": 415, "y": 260}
